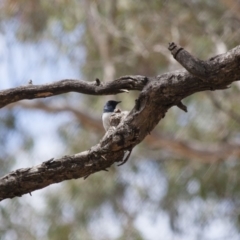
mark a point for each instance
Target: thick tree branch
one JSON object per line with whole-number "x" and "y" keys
{"x": 26, "y": 180}
{"x": 216, "y": 67}
{"x": 157, "y": 96}
{"x": 30, "y": 91}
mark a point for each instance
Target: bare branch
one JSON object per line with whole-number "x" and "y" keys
{"x": 157, "y": 96}
{"x": 26, "y": 180}
{"x": 92, "y": 88}
{"x": 212, "y": 69}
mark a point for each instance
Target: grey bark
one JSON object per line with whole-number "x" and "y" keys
{"x": 158, "y": 94}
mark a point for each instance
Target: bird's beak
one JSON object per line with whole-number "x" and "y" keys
{"x": 119, "y": 102}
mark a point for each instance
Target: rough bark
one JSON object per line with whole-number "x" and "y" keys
{"x": 158, "y": 95}
{"x": 31, "y": 91}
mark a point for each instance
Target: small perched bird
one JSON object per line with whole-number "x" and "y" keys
{"x": 108, "y": 109}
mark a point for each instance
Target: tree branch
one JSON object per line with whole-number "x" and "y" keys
{"x": 212, "y": 69}
{"x": 157, "y": 96}
{"x": 30, "y": 91}
{"x": 26, "y": 180}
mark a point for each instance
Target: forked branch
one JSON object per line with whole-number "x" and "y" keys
{"x": 158, "y": 94}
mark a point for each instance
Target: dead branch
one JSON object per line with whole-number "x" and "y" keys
{"x": 157, "y": 96}
{"x": 32, "y": 91}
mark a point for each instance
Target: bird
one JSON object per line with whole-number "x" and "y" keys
{"x": 108, "y": 110}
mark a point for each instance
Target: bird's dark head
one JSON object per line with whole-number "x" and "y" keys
{"x": 110, "y": 106}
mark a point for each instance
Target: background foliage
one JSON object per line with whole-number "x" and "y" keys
{"x": 182, "y": 182}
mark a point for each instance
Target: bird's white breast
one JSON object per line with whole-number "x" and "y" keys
{"x": 106, "y": 120}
